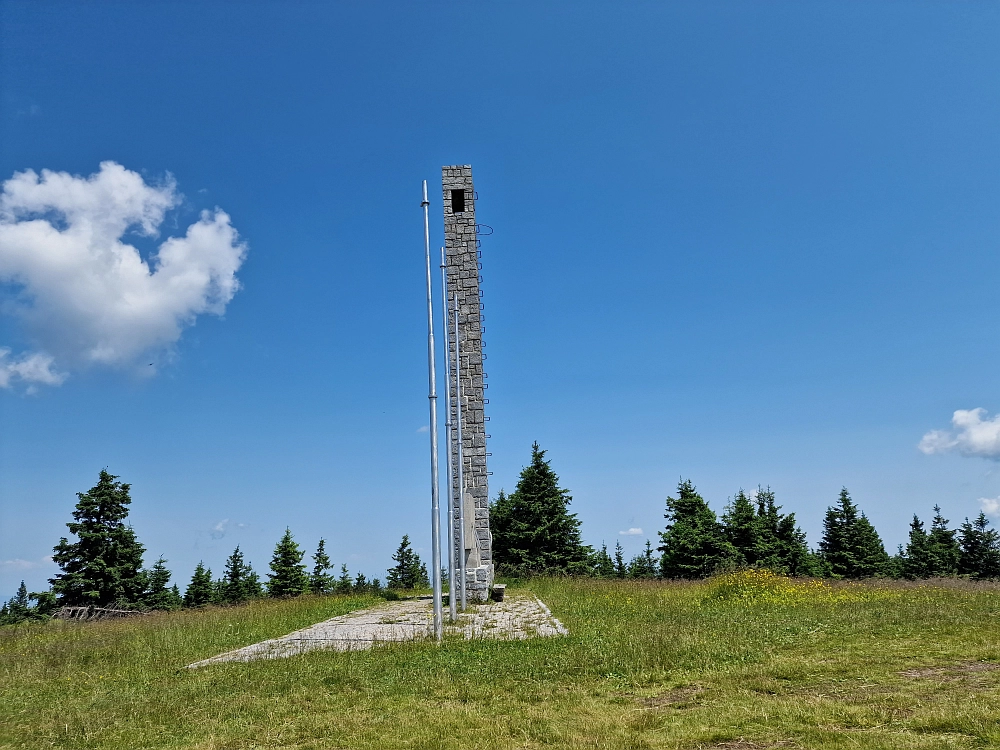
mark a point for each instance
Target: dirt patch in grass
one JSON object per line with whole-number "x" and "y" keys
{"x": 747, "y": 745}
{"x": 951, "y": 672}
{"x": 685, "y": 696}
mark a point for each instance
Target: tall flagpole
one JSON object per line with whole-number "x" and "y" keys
{"x": 432, "y": 398}
{"x": 452, "y": 588}
{"x": 461, "y": 460}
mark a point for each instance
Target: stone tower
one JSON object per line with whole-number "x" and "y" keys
{"x": 463, "y": 266}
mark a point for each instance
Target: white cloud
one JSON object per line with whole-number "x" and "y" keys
{"x": 990, "y": 505}
{"x": 634, "y": 531}
{"x": 425, "y": 428}
{"x": 20, "y": 565}
{"x": 35, "y": 367}
{"x": 974, "y": 435}
{"x": 219, "y": 530}
{"x": 85, "y": 296}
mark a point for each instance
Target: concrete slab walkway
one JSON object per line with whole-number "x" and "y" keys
{"x": 515, "y": 618}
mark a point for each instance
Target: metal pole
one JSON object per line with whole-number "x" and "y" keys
{"x": 452, "y": 588}
{"x": 432, "y": 398}
{"x": 461, "y": 461}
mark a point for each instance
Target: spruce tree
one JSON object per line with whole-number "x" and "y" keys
{"x": 693, "y": 543}
{"x": 916, "y": 560}
{"x": 604, "y": 566}
{"x": 764, "y": 537}
{"x": 620, "y": 569}
{"x": 18, "y": 609}
{"x": 45, "y": 604}
{"x": 743, "y": 529}
{"x": 943, "y": 545}
{"x": 104, "y": 566}
{"x": 645, "y": 564}
{"x": 158, "y": 595}
{"x": 408, "y": 572}
{"x": 288, "y": 574}
{"x": 320, "y": 581}
{"x": 236, "y": 582}
{"x": 851, "y": 546}
{"x": 980, "y": 549}
{"x": 533, "y": 530}
{"x": 344, "y": 583}
{"x": 361, "y": 584}
{"x": 254, "y": 588}
{"x": 420, "y": 578}
{"x": 199, "y": 591}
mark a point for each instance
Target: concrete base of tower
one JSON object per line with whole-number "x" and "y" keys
{"x": 478, "y": 583}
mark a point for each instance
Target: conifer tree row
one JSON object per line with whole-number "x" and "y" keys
{"x": 101, "y": 564}
{"x": 751, "y": 532}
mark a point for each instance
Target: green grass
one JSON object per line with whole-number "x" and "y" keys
{"x": 646, "y": 665}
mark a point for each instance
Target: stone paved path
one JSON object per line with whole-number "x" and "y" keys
{"x": 516, "y": 617}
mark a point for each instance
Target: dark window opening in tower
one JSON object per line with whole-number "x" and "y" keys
{"x": 457, "y": 201}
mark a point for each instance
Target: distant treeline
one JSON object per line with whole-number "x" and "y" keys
{"x": 104, "y": 568}
{"x": 534, "y": 532}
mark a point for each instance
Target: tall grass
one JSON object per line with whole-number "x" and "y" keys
{"x": 734, "y": 662}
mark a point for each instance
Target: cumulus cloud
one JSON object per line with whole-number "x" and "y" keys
{"x": 990, "y": 505}
{"x": 974, "y": 434}
{"x": 634, "y": 531}
{"x": 85, "y": 295}
{"x": 34, "y": 367}
{"x": 18, "y": 564}
{"x": 219, "y": 530}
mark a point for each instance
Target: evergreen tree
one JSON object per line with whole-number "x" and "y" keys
{"x": 850, "y": 545}
{"x": 533, "y": 530}
{"x": 603, "y": 565}
{"x": 645, "y": 564}
{"x": 344, "y": 583}
{"x": 980, "y": 549}
{"x": 930, "y": 554}
{"x": 764, "y": 537}
{"x": 361, "y": 584}
{"x": 320, "y": 581}
{"x": 105, "y": 566}
{"x": 423, "y": 581}
{"x": 218, "y": 591}
{"x": 158, "y": 596}
{"x": 408, "y": 572}
{"x": 693, "y": 542}
{"x": 237, "y": 584}
{"x": 18, "y": 609}
{"x": 620, "y": 570}
{"x": 288, "y": 574}
{"x": 45, "y": 604}
{"x": 743, "y": 528}
{"x": 254, "y": 588}
{"x": 199, "y": 591}
{"x": 916, "y": 560}
{"x": 943, "y": 545}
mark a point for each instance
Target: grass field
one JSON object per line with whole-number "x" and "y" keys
{"x": 747, "y": 661}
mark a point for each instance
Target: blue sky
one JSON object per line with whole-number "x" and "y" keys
{"x": 741, "y": 243}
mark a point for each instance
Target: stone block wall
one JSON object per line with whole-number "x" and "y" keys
{"x": 463, "y": 271}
